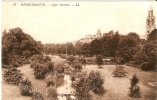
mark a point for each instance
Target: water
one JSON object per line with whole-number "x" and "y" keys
{"x": 66, "y": 87}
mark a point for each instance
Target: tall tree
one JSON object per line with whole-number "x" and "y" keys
{"x": 95, "y": 47}
{"x": 85, "y": 49}
{"x": 17, "y": 45}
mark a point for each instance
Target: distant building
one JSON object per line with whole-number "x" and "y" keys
{"x": 150, "y": 21}
{"x": 89, "y": 38}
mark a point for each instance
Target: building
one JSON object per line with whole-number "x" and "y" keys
{"x": 89, "y": 38}
{"x": 150, "y": 21}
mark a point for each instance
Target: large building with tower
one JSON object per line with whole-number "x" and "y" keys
{"x": 89, "y": 38}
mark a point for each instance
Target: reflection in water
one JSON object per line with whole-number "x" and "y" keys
{"x": 66, "y": 87}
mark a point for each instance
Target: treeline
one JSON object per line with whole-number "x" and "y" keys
{"x": 125, "y": 49}
{"x": 18, "y": 47}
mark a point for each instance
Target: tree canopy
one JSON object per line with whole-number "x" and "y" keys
{"x": 17, "y": 44}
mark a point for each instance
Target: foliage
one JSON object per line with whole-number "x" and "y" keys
{"x": 17, "y": 45}
{"x": 119, "y": 72}
{"x": 146, "y": 55}
{"x": 96, "y": 81}
{"x": 134, "y": 89}
{"x": 95, "y": 47}
{"x": 99, "y": 60}
{"x": 77, "y": 66}
{"x": 51, "y": 93}
{"x": 71, "y": 59}
{"x": 127, "y": 49}
{"x": 59, "y": 48}
{"x": 12, "y": 76}
{"x": 92, "y": 82}
{"x": 85, "y": 49}
{"x": 40, "y": 71}
{"x": 60, "y": 68}
{"x": 110, "y": 44}
{"x": 82, "y": 89}
{"x": 145, "y": 66}
{"x": 25, "y": 87}
{"x": 37, "y": 95}
{"x": 41, "y": 66}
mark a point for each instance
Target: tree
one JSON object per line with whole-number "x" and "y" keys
{"x": 110, "y": 44}
{"x": 146, "y": 55}
{"x": 82, "y": 89}
{"x": 85, "y": 49}
{"x": 95, "y": 47}
{"x": 78, "y": 47}
{"x": 127, "y": 48}
{"x": 70, "y": 48}
{"x": 96, "y": 81}
{"x": 134, "y": 89}
{"x": 18, "y": 46}
{"x": 99, "y": 60}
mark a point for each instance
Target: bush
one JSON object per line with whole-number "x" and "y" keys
{"x": 147, "y": 66}
{"x": 134, "y": 89}
{"x": 42, "y": 68}
{"x": 39, "y": 71}
{"x": 82, "y": 89}
{"x": 60, "y": 68}
{"x": 46, "y": 58}
{"x": 119, "y": 72}
{"x": 37, "y": 95}
{"x": 12, "y": 76}
{"x": 96, "y": 81}
{"x": 71, "y": 59}
{"x": 51, "y": 93}
{"x": 77, "y": 66}
{"x": 25, "y": 87}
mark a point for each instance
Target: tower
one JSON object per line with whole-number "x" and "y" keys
{"x": 98, "y": 34}
{"x": 150, "y": 21}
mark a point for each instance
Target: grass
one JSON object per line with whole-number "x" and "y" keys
{"x": 116, "y": 88}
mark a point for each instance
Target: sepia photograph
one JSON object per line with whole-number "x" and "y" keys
{"x": 71, "y": 50}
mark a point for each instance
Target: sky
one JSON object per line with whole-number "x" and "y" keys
{"x": 62, "y": 24}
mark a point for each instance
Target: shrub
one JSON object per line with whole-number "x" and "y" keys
{"x": 147, "y": 66}
{"x": 42, "y": 68}
{"x": 60, "y": 68}
{"x": 12, "y": 76}
{"x": 134, "y": 89}
{"x": 96, "y": 81}
{"x": 119, "y": 72}
{"x": 71, "y": 59}
{"x": 51, "y": 93}
{"x": 37, "y": 95}
{"x": 82, "y": 89}
{"x": 39, "y": 71}
{"x": 77, "y": 66}
{"x": 46, "y": 58}
{"x": 25, "y": 87}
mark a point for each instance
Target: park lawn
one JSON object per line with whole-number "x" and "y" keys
{"x": 13, "y": 90}
{"x": 118, "y": 88}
